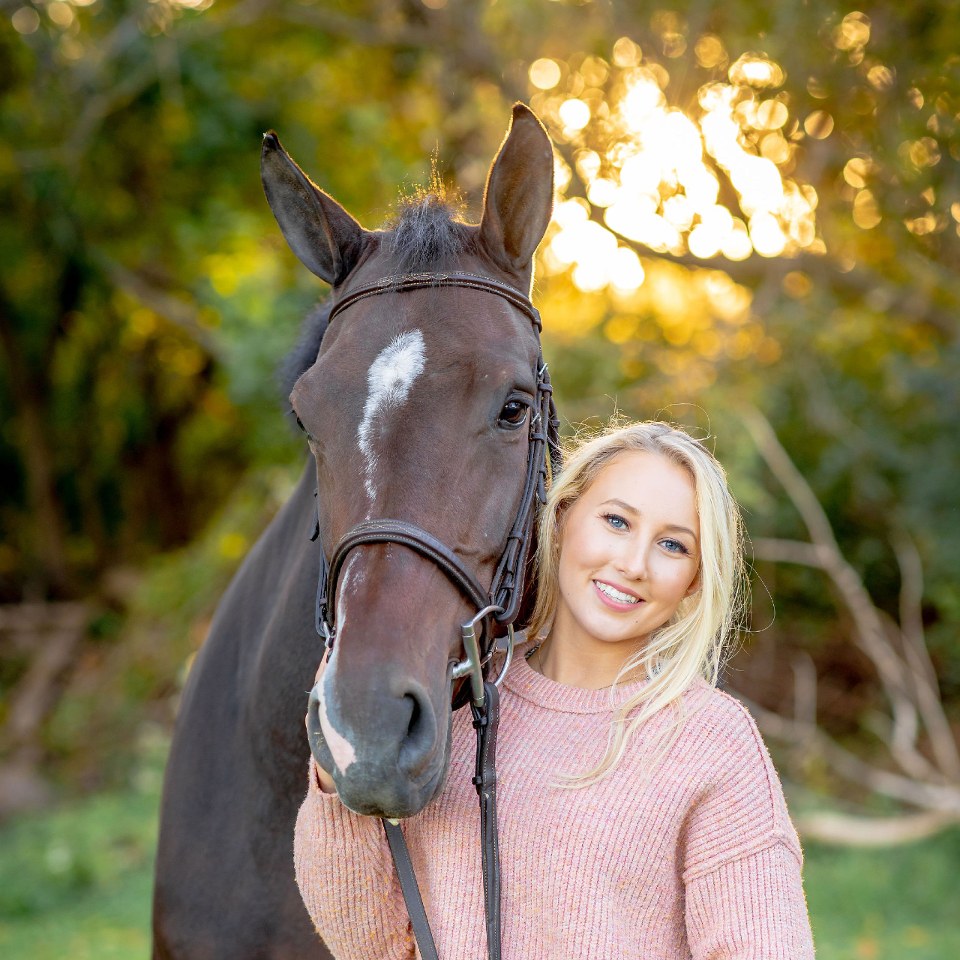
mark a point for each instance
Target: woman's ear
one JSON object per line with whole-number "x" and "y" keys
{"x": 695, "y": 584}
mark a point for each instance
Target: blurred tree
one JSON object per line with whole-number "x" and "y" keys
{"x": 762, "y": 206}
{"x": 758, "y": 205}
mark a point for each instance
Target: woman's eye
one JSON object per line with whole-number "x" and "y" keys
{"x": 513, "y": 414}
{"x": 674, "y": 546}
{"x": 616, "y": 521}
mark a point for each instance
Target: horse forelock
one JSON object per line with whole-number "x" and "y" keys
{"x": 427, "y": 232}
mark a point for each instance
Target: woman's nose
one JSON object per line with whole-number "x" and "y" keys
{"x": 632, "y": 562}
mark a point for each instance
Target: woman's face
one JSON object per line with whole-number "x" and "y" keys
{"x": 629, "y": 552}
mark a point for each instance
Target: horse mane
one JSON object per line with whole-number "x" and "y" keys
{"x": 424, "y": 234}
{"x": 304, "y": 354}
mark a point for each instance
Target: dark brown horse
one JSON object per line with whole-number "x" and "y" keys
{"x": 415, "y": 405}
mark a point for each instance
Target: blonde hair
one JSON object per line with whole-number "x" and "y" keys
{"x": 695, "y": 641}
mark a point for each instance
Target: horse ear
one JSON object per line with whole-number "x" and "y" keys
{"x": 325, "y": 238}
{"x": 518, "y": 200}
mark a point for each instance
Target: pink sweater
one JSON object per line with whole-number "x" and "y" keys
{"x": 698, "y": 861}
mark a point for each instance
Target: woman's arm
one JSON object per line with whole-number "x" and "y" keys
{"x": 750, "y": 909}
{"x": 347, "y": 880}
{"x": 742, "y": 860}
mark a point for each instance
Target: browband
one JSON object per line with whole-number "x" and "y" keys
{"x": 420, "y": 281}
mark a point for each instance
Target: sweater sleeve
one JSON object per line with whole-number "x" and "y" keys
{"x": 347, "y": 880}
{"x": 742, "y": 861}
{"x": 750, "y": 909}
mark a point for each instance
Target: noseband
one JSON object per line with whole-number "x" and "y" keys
{"x": 501, "y": 602}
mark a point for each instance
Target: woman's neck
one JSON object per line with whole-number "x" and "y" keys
{"x": 589, "y": 666}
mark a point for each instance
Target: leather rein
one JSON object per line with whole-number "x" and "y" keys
{"x": 500, "y": 604}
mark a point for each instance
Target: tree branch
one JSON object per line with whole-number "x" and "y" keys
{"x": 907, "y": 677}
{"x": 937, "y": 797}
{"x": 755, "y": 271}
{"x": 846, "y": 830}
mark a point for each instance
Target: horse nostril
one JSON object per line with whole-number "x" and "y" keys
{"x": 415, "y": 713}
{"x": 417, "y": 746}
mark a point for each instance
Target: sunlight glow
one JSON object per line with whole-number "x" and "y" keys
{"x": 853, "y": 33}
{"x": 711, "y": 184}
{"x": 575, "y": 114}
{"x": 757, "y": 71}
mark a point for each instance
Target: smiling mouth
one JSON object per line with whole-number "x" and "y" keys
{"x": 614, "y": 594}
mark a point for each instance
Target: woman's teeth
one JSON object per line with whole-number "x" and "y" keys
{"x": 615, "y": 594}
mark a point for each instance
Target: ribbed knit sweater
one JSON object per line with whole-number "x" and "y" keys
{"x": 697, "y": 860}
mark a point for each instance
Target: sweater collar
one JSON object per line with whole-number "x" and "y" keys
{"x": 525, "y": 682}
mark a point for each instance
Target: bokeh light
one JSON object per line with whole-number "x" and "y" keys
{"x": 712, "y": 183}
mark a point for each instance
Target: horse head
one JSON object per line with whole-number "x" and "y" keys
{"x": 417, "y": 408}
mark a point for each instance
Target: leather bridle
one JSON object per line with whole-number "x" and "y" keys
{"x": 499, "y": 604}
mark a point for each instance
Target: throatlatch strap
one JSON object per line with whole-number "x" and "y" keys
{"x": 486, "y": 718}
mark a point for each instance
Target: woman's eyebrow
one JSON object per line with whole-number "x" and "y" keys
{"x": 627, "y": 508}
{"x": 622, "y": 504}
{"x": 680, "y": 529}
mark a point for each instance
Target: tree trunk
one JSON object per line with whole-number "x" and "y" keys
{"x": 32, "y": 432}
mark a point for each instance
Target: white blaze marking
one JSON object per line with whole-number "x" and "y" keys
{"x": 343, "y": 590}
{"x": 341, "y": 749}
{"x": 389, "y": 380}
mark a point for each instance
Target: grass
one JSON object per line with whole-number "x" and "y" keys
{"x": 894, "y": 904}
{"x": 77, "y": 883}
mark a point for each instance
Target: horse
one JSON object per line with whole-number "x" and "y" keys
{"x": 415, "y": 402}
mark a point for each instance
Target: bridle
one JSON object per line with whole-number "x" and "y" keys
{"x": 500, "y": 604}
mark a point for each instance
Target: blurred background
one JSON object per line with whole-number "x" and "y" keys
{"x": 756, "y": 237}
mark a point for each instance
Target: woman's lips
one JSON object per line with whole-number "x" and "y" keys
{"x": 613, "y": 602}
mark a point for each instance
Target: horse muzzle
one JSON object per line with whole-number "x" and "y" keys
{"x": 395, "y": 765}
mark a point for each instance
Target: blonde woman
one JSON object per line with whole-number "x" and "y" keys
{"x": 640, "y": 815}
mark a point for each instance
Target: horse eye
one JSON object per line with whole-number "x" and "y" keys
{"x": 303, "y": 429}
{"x": 513, "y": 414}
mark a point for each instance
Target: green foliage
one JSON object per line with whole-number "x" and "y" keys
{"x": 50, "y": 861}
{"x": 146, "y": 296}
{"x": 851, "y": 351}
{"x": 136, "y": 677}
{"x": 143, "y": 285}
{"x": 79, "y": 881}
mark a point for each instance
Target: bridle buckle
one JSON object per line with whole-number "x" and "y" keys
{"x": 473, "y": 663}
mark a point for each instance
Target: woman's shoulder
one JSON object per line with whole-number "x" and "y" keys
{"x": 741, "y": 806}
{"x": 724, "y": 728}
{"x": 715, "y": 710}
{"x": 736, "y": 762}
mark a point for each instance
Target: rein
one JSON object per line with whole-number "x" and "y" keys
{"x": 499, "y": 604}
